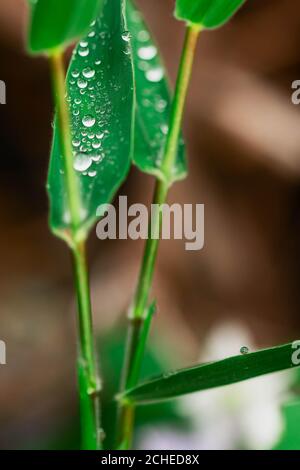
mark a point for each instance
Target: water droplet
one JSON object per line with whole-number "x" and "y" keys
{"x": 161, "y": 105}
{"x": 164, "y": 128}
{"x": 81, "y": 83}
{"x": 96, "y": 145}
{"x": 147, "y": 52}
{"x": 75, "y": 73}
{"x": 97, "y": 158}
{"x": 146, "y": 103}
{"x": 88, "y": 72}
{"x": 244, "y": 350}
{"x": 82, "y": 162}
{"x": 67, "y": 217}
{"x": 155, "y": 75}
{"x": 97, "y": 62}
{"x": 83, "y": 52}
{"x": 88, "y": 121}
{"x": 143, "y": 65}
{"x": 92, "y": 173}
{"x": 126, "y": 36}
{"x": 77, "y": 101}
{"x": 143, "y": 36}
{"x": 83, "y": 43}
{"x": 76, "y": 143}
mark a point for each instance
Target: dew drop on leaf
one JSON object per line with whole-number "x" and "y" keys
{"x": 88, "y": 72}
{"x": 88, "y": 121}
{"x": 164, "y": 128}
{"x": 147, "y": 52}
{"x": 244, "y": 350}
{"x": 82, "y": 162}
{"x": 81, "y": 83}
{"x": 155, "y": 75}
{"x": 126, "y": 36}
{"x": 143, "y": 36}
{"x": 161, "y": 105}
{"x": 75, "y": 73}
{"x": 76, "y": 143}
{"x": 83, "y": 52}
{"x": 96, "y": 145}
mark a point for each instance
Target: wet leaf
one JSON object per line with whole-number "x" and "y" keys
{"x": 215, "y": 374}
{"x": 100, "y": 83}
{"x": 208, "y": 14}
{"x": 152, "y": 101}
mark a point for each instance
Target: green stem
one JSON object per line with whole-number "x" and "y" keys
{"x": 136, "y": 341}
{"x": 89, "y": 385}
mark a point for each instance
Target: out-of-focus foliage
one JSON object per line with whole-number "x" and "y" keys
{"x": 208, "y": 14}
{"x": 55, "y": 23}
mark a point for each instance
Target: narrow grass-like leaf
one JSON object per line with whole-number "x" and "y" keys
{"x": 55, "y": 23}
{"x": 100, "y": 96}
{"x": 215, "y": 374}
{"x": 152, "y": 101}
{"x": 208, "y": 14}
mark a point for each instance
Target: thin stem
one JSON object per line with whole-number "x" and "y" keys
{"x": 136, "y": 341}
{"x": 89, "y": 385}
{"x": 141, "y": 346}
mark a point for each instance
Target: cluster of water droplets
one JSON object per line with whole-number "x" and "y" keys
{"x": 90, "y": 104}
{"x": 126, "y": 36}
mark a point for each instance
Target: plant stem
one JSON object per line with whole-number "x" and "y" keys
{"x": 136, "y": 340}
{"x": 89, "y": 384}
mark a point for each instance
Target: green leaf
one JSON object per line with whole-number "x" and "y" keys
{"x": 208, "y": 14}
{"x": 290, "y": 438}
{"x": 55, "y": 23}
{"x": 153, "y": 101}
{"x": 100, "y": 83}
{"x": 211, "y": 375}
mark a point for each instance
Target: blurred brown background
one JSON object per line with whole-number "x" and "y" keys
{"x": 243, "y": 135}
